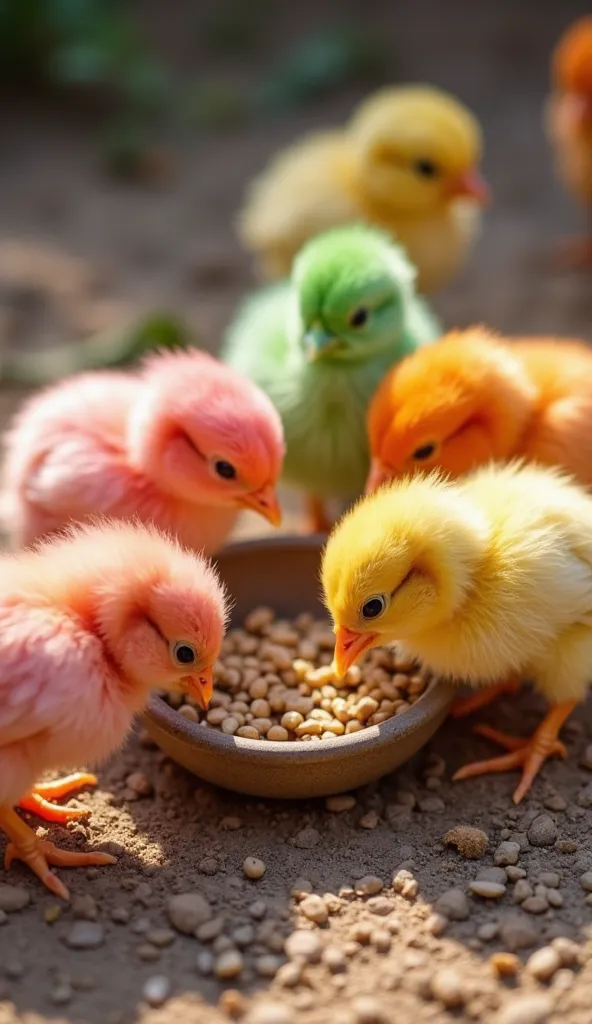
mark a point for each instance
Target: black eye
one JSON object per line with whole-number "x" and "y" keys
{"x": 374, "y": 606}
{"x": 359, "y": 317}
{"x": 424, "y": 452}
{"x": 184, "y": 654}
{"x": 225, "y": 470}
{"x": 426, "y": 168}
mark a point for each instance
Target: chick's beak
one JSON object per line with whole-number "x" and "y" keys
{"x": 349, "y": 646}
{"x": 201, "y": 687}
{"x": 265, "y": 502}
{"x": 470, "y": 185}
{"x": 318, "y": 342}
{"x": 377, "y": 476}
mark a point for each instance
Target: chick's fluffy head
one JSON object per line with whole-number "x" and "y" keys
{"x": 353, "y": 287}
{"x": 572, "y": 59}
{"x": 453, "y": 405}
{"x": 413, "y": 544}
{"x": 414, "y": 146}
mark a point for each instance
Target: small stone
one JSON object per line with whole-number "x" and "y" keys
{"x": 85, "y": 935}
{"x": 554, "y": 898}
{"x": 267, "y": 965}
{"x": 84, "y": 907}
{"x": 315, "y": 909}
{"x": 515, "y": 873}
{"x": 506, "y": 853}
{"x": 210, "y": 930}
{"x": 304, "y": 944}
{"x": 543, "y": 963}
{"x": 489, "y": 890}
{"x": 381, "y": 940}
{"x": 528, "y": 1009}
{"x": 586, "y": 758}
{"x": 569, "y": 951}
{"x": 289, "y": 975}
{"x": 258, "y": 910}
{"x": 367, "y": 1010}
{"x": 208, "y": 866}
{"x": 14, "y": 969}
{"x": 567, "y": 846}
{"x": 187, "y": 911}
{"x": 222, "y": 944}
{"x": 120, "y": 915}
{"x": 405, "y": 884}
{"x": 148, "y": 952}
{"x": 522, "y": 890}
{"x": 447, "y": 986}
{"x": 340, "y": 803}
{"x": 204, "y": 962}
{"x": 301, "y": 888}
{"x": 230, "y": 824}
{"x": 254, "y": 868}
{"x": 243, "y": 936}
{"x": 453, "y": 904}
{"x": 493, "y": 874}
{"x": 470, "y": 842}
{"x": 517, "y": 932}
{"x": 270, "y": 1013}
{"x": 362, "y": 932}
{"x": 379, "y": 905}
{"x": 161, "y": 937}
{"x": 505, "y": 964}
{"x": 61, "y": 994}
{"x": 432, "y": 805}
{"x": 156, "y": 990}
{"x": 334, "y": 958}
{"x": 140, "y": 784}
{"x": 436, "y": 924}
{"x": 555, "y": 802}
{"x": 13, "y": 898}
{"x": 369, "y": 885}
{"x": 586, "y": 881}
{"x": 369, "y": 820}
{"x": 51, "y": 914}
{"x": 232, "y": 1002}
{"x": 488, "y": 932}
{"x": 543, "y": 831}
{"x": 306, "y": 839}
{"x": 535, "y": 905}
{"x": 229, "y": 964}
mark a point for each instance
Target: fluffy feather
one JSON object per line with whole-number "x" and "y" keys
{"x": 406, "y": 162}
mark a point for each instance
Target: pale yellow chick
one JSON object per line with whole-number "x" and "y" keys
{"x": 487, "y": 581}
{"x": 407, "y": 162}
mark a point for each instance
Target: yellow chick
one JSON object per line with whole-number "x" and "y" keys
{"x": 407, "y": 162}
{"x": 487, "y": 582}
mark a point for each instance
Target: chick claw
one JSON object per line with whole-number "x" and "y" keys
{"x": 38, "y": 801}
{"x": 39, "y": 854}
{"x": 464, "y": 706}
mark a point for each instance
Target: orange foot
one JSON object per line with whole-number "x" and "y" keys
{"x": 531, "y": 753}
{"x": 318, "y": 520}
{"x": 39, "y": 854}
{"x": 464, "y": 706}
{"x": 38, "y": 800}
{"x": 575, "y": 253}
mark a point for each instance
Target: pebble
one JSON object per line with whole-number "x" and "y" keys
{"x": 586, "y": 757}
{"x": 305, "y": 944}
{"x": 489, "y": 890}
{"x": 369, "y": 885}
{"x": 148, "y": 952}
{"x": 555, "y": 802}
{"x": 506, "y": 853}
{"x": 470, "y": 842}
{"x": 453, "y": 904}
{"x": 543, "y": 831}
{"x": 554, "y": 898}
{"x": 514, "y": 873}
{"x": 505, "y": 964}
{"x": 187, "y": 911}
{"x": 156, "y": 990}
{"x": 270, "y": 1013}
{"x": 85, "y": 935}
{"x": 535, "y": 905}
{"x": 550, "y": 878}
{"x": 367, "y": 1010}
{"x": 379, "y": 905}
{"x": 210, "y": 930}
{"x": 381, "y": 940}
{"x": 84, "y": 907}
{"x": 488, "y": 932}
{"x": 229, "y": 964}
{"x": 139, "y": 784}
{"x": 432, "y": 805}
{"x": 13, "y": 898}
{"x": 14, "y": 969}
{"x": 528, "y": 1009}
{"x": 258, "y": 910}
{"x": 543, "y": 963}
{"x": 493, "y": 874}
{"x": 244, "y": 935}
{"x": 230, "y": 824}
{"x": 301, "y": 888}
{"x": 120, "y": 915}
{"x": 369, "y": 820}
{"x": 267, "y": 965}
{"x": 208, "y": 866}
{"x": 315, "y": 909}
{"x": 448, "y": 987}
{"x": 61, "y": 994}
{"x": 517, "y": 932}
{"x": 586, "y": 881}
{"x": 289, "y": 975}
{"x": 522, "y": 890}
{"x": 307, "y": 838}
{"x": 405, "y": 884}
{"x": 254, "y": 868}
{"x": 334, "y": 958}
{"x": 436, "y": 924}
{"x": 340, "y": 803}
{"x": 161, "y": 937}
{"x": 204, "y": 962}
{"x": 232, "y": 1002}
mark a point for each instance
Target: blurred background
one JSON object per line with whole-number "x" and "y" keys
{"x": 130, "y": 131}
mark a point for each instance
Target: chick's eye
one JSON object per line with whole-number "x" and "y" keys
{"x": 359, "y": 317}
{"x": 225, "y": 469}
{"x": 424, "y": 451}
{"x": 374, "y": 606}
{"x": 426, "y": 168}
{"x": 184, "y": 654}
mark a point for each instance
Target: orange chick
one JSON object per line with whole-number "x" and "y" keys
{"x": 184, "y": 442}
{"x": 91, "y": 622}
{"x": 473, "y": 397}
{"x": 568, "y": 117}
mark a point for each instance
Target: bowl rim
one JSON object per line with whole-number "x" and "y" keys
{"x": 435, "y": 699}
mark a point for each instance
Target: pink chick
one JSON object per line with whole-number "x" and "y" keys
{"x": 184, "y": 442}
{"x": 90, "y": 623}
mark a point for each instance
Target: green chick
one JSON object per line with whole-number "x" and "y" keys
{"x": 319, "y": 345}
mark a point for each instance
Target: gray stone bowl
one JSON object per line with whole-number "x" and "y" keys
{"x": 283, "y": 573}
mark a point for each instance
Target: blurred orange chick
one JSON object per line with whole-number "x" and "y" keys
{"x": 568, "y": 116}
{"x": 473, "y": 397}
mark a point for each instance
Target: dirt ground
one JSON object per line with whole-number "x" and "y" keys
{"x": 77, "y": 251}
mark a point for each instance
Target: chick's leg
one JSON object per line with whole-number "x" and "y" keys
{"x": 39, "y": 854}
{"x": 464, "y": 706}
{"x": 38, "y": 800}
{"x": 530, "y": 754}
{"x": 318, "y": 520}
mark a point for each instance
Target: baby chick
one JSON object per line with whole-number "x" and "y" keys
{"x": 91, "y": 622}
{"x": 320, "y": 343}
{"x": 473, "y": 397}
{"x": 485, "y": 581}
{"x": 184, "y": 442}
{"x": 568, "y": 117}
{"x": 406, "y": 162}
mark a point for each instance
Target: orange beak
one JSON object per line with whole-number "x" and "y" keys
{"x": 349, "y": 646}
{"x": 265, "y": 502}
{"x": 471, "y": 185}
{"x": 201, "y": 687}
{"x": 377, "y": 476}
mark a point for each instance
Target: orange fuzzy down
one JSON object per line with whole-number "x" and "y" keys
{"x": 572, "y": 59}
